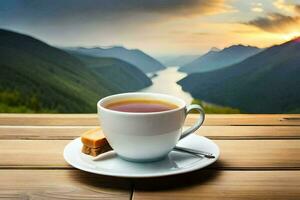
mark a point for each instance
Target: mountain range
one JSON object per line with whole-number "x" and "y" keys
{"x": 37, "y": 77}
{"x": 133, "y": 56}
{"x": 176, "y": 60}
{"x": 116, "y": 71}
{"x": 267, "y": 82}
{"x": 216, "y": 59}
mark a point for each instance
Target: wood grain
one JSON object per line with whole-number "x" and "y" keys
{"x": 254, "y": 154}
{"x": 32, "y": 153}
{"x": 91, "y": 119}
{"x": 60, "y": 184}
{"x": 212, "y": 184}
{"x": 43, "y": 132}
{"x": 247, "y": 119}
{"x": 49, "y": 119}
{"x": 259, "y": 160}
{"x": 249, "y": 132}
{"x": 213, "y": 132}
{"x": 235, "y": 154}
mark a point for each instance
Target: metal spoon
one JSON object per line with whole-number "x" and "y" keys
{"x": 176, "y": 148}
{"x": 194, "y": 151}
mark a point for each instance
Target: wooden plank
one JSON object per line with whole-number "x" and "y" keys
{"x": 235, "y": 154}
{"x": 60, "y": 184}
{"x": 249, "y": 132}
{"x": 91, "y": 119}
{"x": 210, "y": 184}
{"x": 49, "y": 119}
{"x": 213, "y": 132}
{"x": 32, "y": 153}
{"x": 247, "y": 120}
{"x": 271, "y": 154}
{"x": 42, "y": 132}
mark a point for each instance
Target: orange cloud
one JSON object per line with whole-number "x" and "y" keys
{"x": 297, "y": 8}
{"x": 287, "y": 7}
{"x": 187, "y": 7}
{"x": 275, "y": 22}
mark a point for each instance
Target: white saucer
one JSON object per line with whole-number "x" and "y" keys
{"x": 175, "y": 163}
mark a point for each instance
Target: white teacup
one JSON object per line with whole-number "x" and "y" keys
{"x": 147, "y": 136}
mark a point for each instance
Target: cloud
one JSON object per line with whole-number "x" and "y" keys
{"x": 201, "y": 33}
{"x": 100, "y": 18}
{"x": 297, "y": 8}
{"x": 257, "y": 7}
{"x": 282, "y": 5}
{"x": 181, "y": 7}
{"x": 37, "y": 10}
{"x": 276, "y": 22}
{"x": 244, "y": 31}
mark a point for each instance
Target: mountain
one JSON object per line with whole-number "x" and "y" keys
{"x": 176, "y": 60}
{"x": 133, "y": 56}
{"x": 116, "y": 71}
{"x": 216, "y": 59}
{"x": 267, "y": 82}
{"x": 36, "y": 77}
{"x": 215, "y": 49}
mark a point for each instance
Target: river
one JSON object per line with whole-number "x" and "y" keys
{"x": 165, "y": 82}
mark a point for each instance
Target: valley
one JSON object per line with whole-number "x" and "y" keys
{"x": 37, "y": 77}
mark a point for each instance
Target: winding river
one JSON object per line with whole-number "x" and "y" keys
{"x": 165, "y": 82}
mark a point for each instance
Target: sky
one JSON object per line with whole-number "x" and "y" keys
{"x": 160, "y": 28}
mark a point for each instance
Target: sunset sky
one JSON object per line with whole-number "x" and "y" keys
{"x": 166, "y": 27}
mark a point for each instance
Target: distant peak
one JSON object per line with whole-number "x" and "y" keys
{"x": 238, "y": 46}
{"x": 296, "y": 39}
{"x": 107, "y": 47}
{"x": 94, "y": 48}
{"x": 101, "y": 47}
{"x": 114, "y": 47}
{"x": 214, "y": 49}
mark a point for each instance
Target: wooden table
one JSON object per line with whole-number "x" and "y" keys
{"x": 260, "y": 159}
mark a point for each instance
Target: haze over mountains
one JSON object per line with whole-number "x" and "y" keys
{"x": 36, "y": 77}
{"x": 181, "y": 60}
{"x": 133, "y": 56}
{"x": 216, "y": 59}
{"x": 117, "y": 72}
{"x": 268, "y": 82}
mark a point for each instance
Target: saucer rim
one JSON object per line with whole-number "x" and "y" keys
{"x": 152, "y": 175}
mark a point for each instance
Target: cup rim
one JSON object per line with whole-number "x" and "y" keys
{"x": 101, "y": 101}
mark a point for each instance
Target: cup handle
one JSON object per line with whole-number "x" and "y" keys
{"x": 198, "y": 123}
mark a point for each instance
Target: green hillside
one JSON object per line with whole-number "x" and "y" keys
{"x": 119, "y": 73}
{"x": 267, "y": 82}
{"x": 36, "y": 77}
{"x": 215, "y": 109}
{"x": 136, "y": 57}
